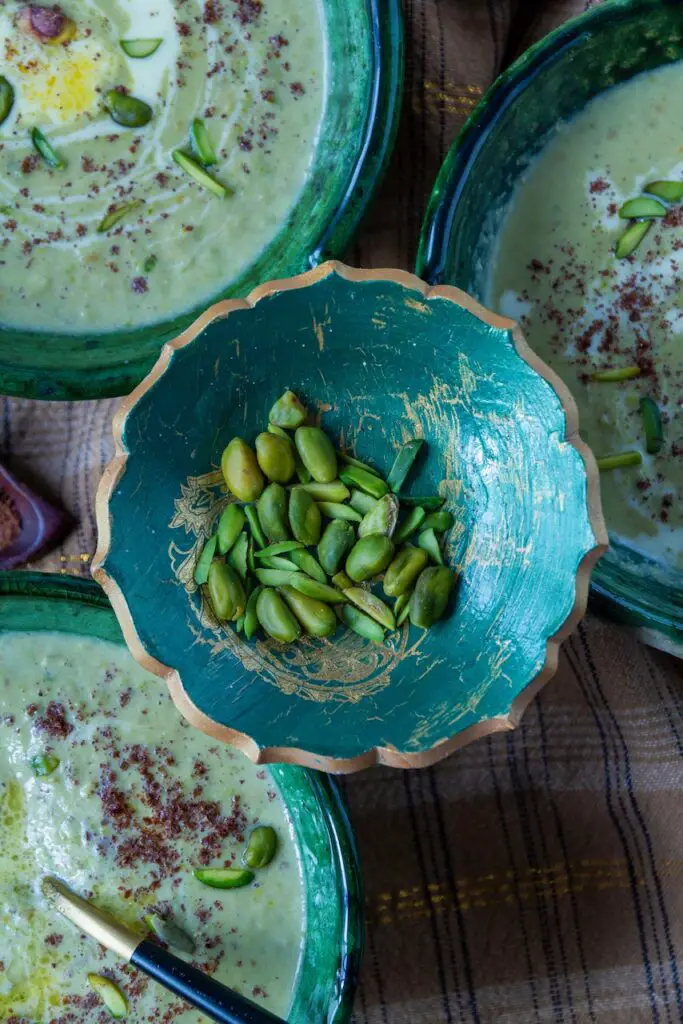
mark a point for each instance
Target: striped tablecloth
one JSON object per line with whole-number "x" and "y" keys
{"x": 534, "y": 876}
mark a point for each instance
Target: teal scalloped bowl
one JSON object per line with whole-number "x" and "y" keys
{"x": 365, "y": 69}
{"x": 384, "y": 359}
{"x": 333, "y": 942}
{"x": 549, "y": 83}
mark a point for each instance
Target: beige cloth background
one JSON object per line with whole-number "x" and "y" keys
{"x": 532, "y": 877}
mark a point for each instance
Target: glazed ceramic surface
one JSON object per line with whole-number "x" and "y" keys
{"x": 383, "y": 359}
{"x": 333, "y": 904}
{"x": 551, "y": 82}
{"x": 364, "y": 79}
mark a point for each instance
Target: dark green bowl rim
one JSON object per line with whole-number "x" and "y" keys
{"x": 379, "y": 135}
{"x": 431, "y": 260}
{"x": 29, "y": 586}
{"x": 435, "y": 234}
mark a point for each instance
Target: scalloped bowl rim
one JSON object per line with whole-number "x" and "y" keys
{"x": 386, "y": 755}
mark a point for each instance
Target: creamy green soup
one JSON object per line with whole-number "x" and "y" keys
{"x": 583, "y": 310}
{"x": 121, "y": 235}
{"x": 137, "y": 801}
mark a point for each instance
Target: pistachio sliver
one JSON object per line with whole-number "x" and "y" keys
{"x": 669, "y": 191}
{"x": 273, "y": 428}
{"x": 372, "y": 484}
{"x": 319, "y": 591}
{"x": 202, "y": 177}
{"x": 403, "y": 463}
{"x": 333, "y": 491}
{"x": 230, "y": 526}
{"x": 226, "y": 592}
{"x": 275, "y": 616}
{"x": 316, "y": 617}
{"x": 283, "y": 547}
{"x": 430, "y": 597}
{"x": 335, "y": 510}
{"x": 44, "y": 765}
{"x": 138, "y": 49}
{"x": 305, "y": 561}
{"x": 6, "y": 99}
{"x": 224, "y": 878}
{"x": 402, "y": 607}
{"x": 303, "y": 474}
{"x": 237, "y": 558}
{"x": 251, "y": 622}
{"x": 362, "y": 502}
{"x": 45, "y": 149}
{"x": 116, "y": 214}
{"x": 617, "y": 374}
{"x": 361, "y": 623}
{"x": 261, "y": 847}
{"x": 382, "y": 518}
{"x": 201, "y": 572}
{"x": 202, "y": 144}
{"x": 350, "y": 461}
{"x": 274, "y": 577}
{"x": 652, "y": 422}
{"x": 429, "y": 542}
{"x": 643, "y": 206}
{"x": 430, "y": 502}
{"x": 620, "y": 461}
{"x": 278, "y": 562}
{"x": 372, "y": 606}
{"x": 631, "y": 238}
{"x": 412, "y": 522}
{"x": 255, "y": 526}
{"x": 289, "y": 411}
{"x": 341, "y": 580}
{"x": 439, "y": 521}
{"x": 110, "y": 994}
{"x": 128, "y": 111}
{"x": 170, "y": 933}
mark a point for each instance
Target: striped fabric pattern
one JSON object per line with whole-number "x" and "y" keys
{"x": 535, "y": 876}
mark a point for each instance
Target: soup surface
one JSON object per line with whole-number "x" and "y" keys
{"x": 251, "y": 71}
{"x": 137, "y": 802}
{"x": 583, "y": 310}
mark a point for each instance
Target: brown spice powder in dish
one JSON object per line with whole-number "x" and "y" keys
{"x": 10, "y": 521}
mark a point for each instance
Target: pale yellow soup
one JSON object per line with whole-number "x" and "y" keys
{"x": 583, "y": 310}
{"x": 252, "y": 70}
{"x": 138, "y": 801}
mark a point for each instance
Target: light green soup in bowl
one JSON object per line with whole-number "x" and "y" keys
{"x": 156, "y": 155}
{"x": 533, "y": 211}
{"x": 104, "y": 785}
{"x": 94, "y": 244}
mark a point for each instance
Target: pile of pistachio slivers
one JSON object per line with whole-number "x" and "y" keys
{"x": 298, "y": 558}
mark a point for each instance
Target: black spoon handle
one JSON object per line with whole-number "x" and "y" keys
{"x": 199, "y": 989}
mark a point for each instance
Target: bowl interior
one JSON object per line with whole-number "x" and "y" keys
{"x": 332, "y": 947}
{"x": 552, "y": 81}
{"x": 381, "y": 364}
{"x": 364, "y": 68}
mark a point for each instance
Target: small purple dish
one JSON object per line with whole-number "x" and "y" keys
{"x": 40, "y": 524}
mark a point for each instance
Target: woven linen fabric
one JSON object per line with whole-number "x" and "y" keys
{"x": 536, "y": 875}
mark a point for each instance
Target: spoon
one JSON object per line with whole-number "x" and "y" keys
{"x": 205, "y": 993}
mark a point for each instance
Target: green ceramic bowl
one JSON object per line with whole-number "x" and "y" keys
{"x": 334, "y": 904}
{"x": 550, "y": 82}
{"x": 383, "y": 359}
{"x": 365, "y": 62}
